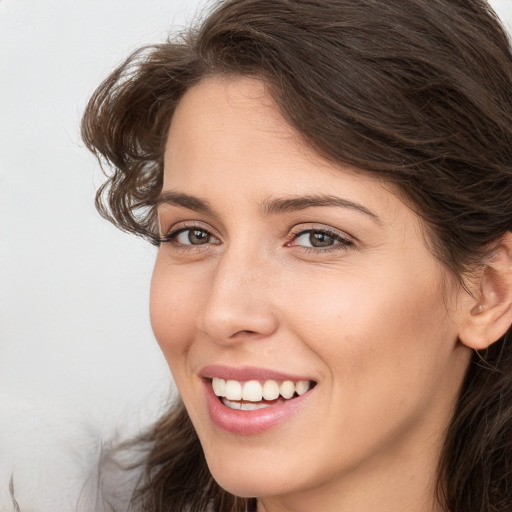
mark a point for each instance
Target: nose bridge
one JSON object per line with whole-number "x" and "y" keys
{"x": 239, "y": 302}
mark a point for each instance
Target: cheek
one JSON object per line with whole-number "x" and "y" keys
{"x": 392, "y": 326}
{"x": 173, "y": 311}
{"x": 386, "y": 344}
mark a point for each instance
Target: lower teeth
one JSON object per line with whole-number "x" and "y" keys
{"x": 244, "y": 406}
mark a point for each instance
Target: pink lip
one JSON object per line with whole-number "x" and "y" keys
{"x": 249, "y": 422}
{"x": 245, "y": 373}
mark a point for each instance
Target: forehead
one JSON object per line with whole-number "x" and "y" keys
{"x": 231, "y": 129}
{"x": 230, "y": 120}
{"x": 235, "y": 99}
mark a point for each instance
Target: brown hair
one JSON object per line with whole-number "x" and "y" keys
{"x": 417, "y": 92}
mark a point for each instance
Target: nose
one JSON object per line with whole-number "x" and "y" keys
{"x": 239, "y": 305}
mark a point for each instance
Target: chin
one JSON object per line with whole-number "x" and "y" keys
{"x": 251, "y": 479}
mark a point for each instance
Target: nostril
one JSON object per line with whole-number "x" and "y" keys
{"x": 244, "y": 333}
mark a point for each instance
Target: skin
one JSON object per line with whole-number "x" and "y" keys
{"x": 373, "y": 318}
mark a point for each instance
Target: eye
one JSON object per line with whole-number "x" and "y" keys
{"x": 193, "y": 237}
{"x": 319, "y": 239}
{"x": 190, "y": 236}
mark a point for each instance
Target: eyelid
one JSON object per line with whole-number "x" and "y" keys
{"x": 175, "y": 229}
{"x": 343, "y": 238}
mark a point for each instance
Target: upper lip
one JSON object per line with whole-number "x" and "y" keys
{"x": 246, "y": 373}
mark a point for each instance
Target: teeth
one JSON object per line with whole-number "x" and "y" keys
{"x": 270, "y": 390}
{"x": 302, "y": 386}
{"x": 254, "y": 391}
{"x": 287, "y": 389}
{"x": 233, "y": 390}
{"x": 232, "y": 405}
{"x": 244, "y": 406}
{"x": 219, "y": 387}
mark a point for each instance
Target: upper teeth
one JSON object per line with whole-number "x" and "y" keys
{"x": 255, "y": 391}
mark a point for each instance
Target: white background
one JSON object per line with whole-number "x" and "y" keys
{"x": 78, "y": 362}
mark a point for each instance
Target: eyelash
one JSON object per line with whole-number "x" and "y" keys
{"x": 340, "y": 242}
{"x": 171, "y": 238}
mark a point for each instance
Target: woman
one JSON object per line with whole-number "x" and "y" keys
{"x": 330, "y": 186}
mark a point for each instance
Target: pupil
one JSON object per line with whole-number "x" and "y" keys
{"x": 197, "y": 236}
{"x": 320, "y": 240}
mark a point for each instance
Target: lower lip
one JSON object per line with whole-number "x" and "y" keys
{"x": 237, "y": 421}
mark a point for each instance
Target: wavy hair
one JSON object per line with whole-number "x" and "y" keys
{"x": 418, "y": 93}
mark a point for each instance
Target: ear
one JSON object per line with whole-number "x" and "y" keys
{"x": 489, "y": 315}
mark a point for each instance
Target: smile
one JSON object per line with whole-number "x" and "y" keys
{"x": 251, "y": 400}
{"x": 254, "y": 394}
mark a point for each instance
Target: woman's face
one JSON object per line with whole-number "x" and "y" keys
{"x": 278, "y": 267}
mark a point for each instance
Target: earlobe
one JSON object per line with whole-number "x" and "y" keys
{"x": 490, "y": 315}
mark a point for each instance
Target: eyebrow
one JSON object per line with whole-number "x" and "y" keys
{"x": 269, "y": 206}
{"x": 281, "y": 205}
{"x": 184, "y": 200}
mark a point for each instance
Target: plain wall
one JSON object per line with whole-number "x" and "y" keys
{"x": 78, "y": 360}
